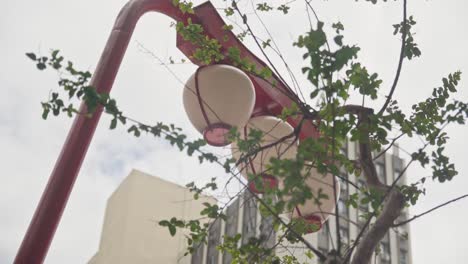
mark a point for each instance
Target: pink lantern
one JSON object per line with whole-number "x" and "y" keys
{"x": 274, "y": 130}
{"x": 216, "y": 98}
{"x": 315, "y": 212}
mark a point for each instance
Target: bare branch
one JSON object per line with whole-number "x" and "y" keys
{"x": 389, "y": 146}
{"x": 293, "y": 134}
{"x": 429, "y": 211}
{"x": 400, "y": 61}
{"x": 244, "y": 18}
{"x": 280, "y": 55}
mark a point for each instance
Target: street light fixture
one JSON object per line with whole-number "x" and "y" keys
{"x": 216, "y": 98}
{"x": 277, "y": 141}
{"x": 325, "y": 193}
{"x": 269, "y": 100}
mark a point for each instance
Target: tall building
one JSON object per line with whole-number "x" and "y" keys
{"x": 131, "y": 233}
{"x": 245, "y": 218}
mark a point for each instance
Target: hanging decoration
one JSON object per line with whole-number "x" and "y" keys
{"x": 216, "y": 98}
{"x": 278, "y": 141}
{"x": 317, "y": 210}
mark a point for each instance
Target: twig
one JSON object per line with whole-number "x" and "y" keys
{"x": 280, "y": 55}
{"x": 400, "y": 61}
{"x": 389, "y": 146}
{"x": 429, "y": 211}
{"x": 234, "y": 5}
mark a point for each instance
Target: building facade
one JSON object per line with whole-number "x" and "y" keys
{"x": 245, "y": 218}
{"x": 131, "y": 233}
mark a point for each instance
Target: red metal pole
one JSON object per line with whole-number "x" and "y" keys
{"x": 54, "y": 198}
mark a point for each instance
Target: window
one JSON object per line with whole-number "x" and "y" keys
{"x": 397, "y": 167}
{"x": 364, "y": 208}
{"x": 342, "y": 209}
{"x": 249, "y": 223}
{"x": 385, "y": 254}
{"x": 197, "y": 256}
{"x": 344, "y": 233}
{"x": 403, "y": 256}
{"x": 211, "y": 260}
{"x": 385, "y": 250}
{"x": 344, "y": 224}
{"x": 396, "y": 174}
{"x": 344, "y": 149}
{"x": 230, "y": 229}
{"x": 213, "y": 241}
{"x": 267, "y": 233}
{"x": 380, "y": 168}
{"x": 344, "y": 190}
{"x": 357, "y": 149}
{"x": 343, "y": 178}
{"x": 323, "y": 239}
{"x": 402, "y": 237}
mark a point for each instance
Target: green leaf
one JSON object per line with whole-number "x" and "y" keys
{"x": 32, "y": 56}
{"x": 339, "y": 40}
{"x": 264, "y": 7}
{"x": 41, "y": 66}
{"x": 135, "y": 130}
{"x": 284, "y": 9}
{"x": 54, "y": 53}
{"x": 172, "y": 230}
{"x": 113, "y": 123}
{"x": 314, "y": 93}
{"x": 45, "y": 113}
{"x": 164, "y": 223}
{"x": 338, "y": 27}
{"x": 229, "y": 11}
{"x": 266, "y": 43}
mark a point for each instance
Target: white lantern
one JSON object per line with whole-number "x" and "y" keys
{"x": 274, "y": 130}
{"x": 216, "y": 98}
{"x": 317, "y": 212}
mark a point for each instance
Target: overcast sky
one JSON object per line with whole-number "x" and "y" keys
{"x": 147, "y": 91}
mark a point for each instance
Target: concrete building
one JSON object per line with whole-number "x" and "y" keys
{"x": 131, "y": 233}
{"x": 244, "y": 218}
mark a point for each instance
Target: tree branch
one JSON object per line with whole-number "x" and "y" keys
{"x": 244, "y": 19}
{"x": 429, "y": 211}
{"x": 376, "y": 239}
{"x": 365, "y": 153}
{"x": 393, "y": 205}
{"x": 389, "y": 146}
{"x": 394, "y": 200}
{"x": 400, "y": 61}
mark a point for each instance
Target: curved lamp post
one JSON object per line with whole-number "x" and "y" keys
{"x": 268, "y": 101}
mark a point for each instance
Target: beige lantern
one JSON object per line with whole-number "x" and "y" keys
{"x": 216, "y": 98}
{"x": 317, "y": 212}
{"x": 274, "y": 130}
